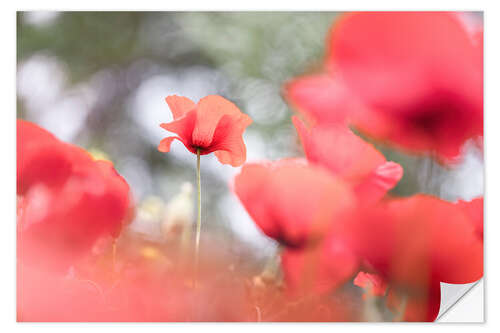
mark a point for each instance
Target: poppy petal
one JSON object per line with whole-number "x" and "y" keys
{"x": 179, "y": 105}
{"x": 420, "y": 95}
{"x": 292, "y": 202}
{"x": 372, "y": 52}
{"x": 182, "y": 126}
{"x": 412, "y": 241}
{"x": 59, "y": 221}
{"x": 320, "y": 268}
{"x": 322, "y": 98}
{"x": 421, "y": 306}
{"x": 474, "y": 211}
{"x": 373, "y": 283}
{"x": 209, "y": 112}
{"x": 340, "y": 150}
{"x": 164, "y": 145}
{"x": 228, "y": 142}
{"x": 379, "y": 182}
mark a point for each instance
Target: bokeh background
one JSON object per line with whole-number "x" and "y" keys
{"x": 99, "y": 79}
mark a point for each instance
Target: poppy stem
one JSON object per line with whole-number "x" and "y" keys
{"x": 198, "y": 220}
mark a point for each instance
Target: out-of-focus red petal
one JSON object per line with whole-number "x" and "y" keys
{"x": 320, "y": 268}
{"x": 28, "y": 132}
{"x": 291, "y": 202}
{"x": 373, "y": 283}
{"x": 250, "y": 186}
{"x": 339, "y": 150}
{"x": 456, "y": 253}
{"x": 377, "y": 50}
{"x": 416, "y": 240}
{"x": 47, "y": 297}
{"x": 379, "y": 182}
{"x": 58, "y": 222}
{"x": 419, "y": 73}
{"x": 474, "y": 211}
{"x": 179, "y": 105}
{"x": 117, "y": 197}
{"x": 323, "y": 98}
{"x": 423, "y": 305}
{"x": 40, "y": 157}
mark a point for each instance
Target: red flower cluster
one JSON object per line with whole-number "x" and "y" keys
{"x": 415, "y": 81}
{"x": 66, "y": 200}
{"x": 415, "y": 243}
{"x": 331, "y": 230}
{"x": 411, "y": 79}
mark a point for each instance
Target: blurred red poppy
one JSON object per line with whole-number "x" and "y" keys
{"x": 40, "y": 157}
{"x": 66, "y": 199}
{"x": 291, "y": 201}
{"x": 420, "y": 238}
{"x": 213, "y": 125}
{"x": 416, "y": 305}
{"x": 420, "y": 304}
{"x": 412, "y": 79}
{"x": 415, "y": 243}
{"x": 347, "y": 156}
{"x": 323, "y": 98}
{"x": 474, "y": 210}
{"x": 420, "y": 72}
{"x": 319, "y": 268}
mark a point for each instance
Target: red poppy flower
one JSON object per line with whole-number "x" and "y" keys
{"x": 422, "y": 304}
{"x": 65, "y": 209}
{"x": 319, "y": 268}
{"x": 415, "y": 243}
{"x": 213, "y": 125}
{"x": 349, "y": 157}
{"x": 291, "y": 201}
{"x": 40, "y": 157}
{"x": 323, "y": 98}
{"x": 419, "y": 72}
{"x": 420, "y": 238}
{"x": 413, "y": 79}
{"x": 474, "y": 210}
{"x": 419, "y": 305}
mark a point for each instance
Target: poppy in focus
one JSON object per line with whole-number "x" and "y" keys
{"x": 213, "y": 125}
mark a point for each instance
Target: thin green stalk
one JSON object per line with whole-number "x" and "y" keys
{"x": 198, "y": 220}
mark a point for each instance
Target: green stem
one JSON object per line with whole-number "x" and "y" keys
{"x": 198, "y": 220}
